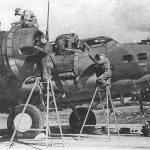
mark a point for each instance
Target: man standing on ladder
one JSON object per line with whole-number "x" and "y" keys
{"x": 47, "y": 66}
{"x": 103, "y": 73}
{"x": 46, "y": 49}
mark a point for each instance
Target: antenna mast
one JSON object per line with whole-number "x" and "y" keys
{"x": 47, "y": 28}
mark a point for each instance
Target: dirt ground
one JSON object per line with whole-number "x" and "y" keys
{"x": 126, "y": 117}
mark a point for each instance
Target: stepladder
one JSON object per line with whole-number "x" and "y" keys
{"x": 109, "y": 109}
{"x": 49, "y": 95}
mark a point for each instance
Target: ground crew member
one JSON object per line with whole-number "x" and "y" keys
{"x": 83, "y": 45}
{"x": 47, "y": 64}
{"x": 46, "y": 49}
{"x": 105, "y": 73}
{"x": 61, "y": 41}
{"x": 67, "y": 41}
{"x": 72, "y": 40}
{"x": 27, "y": 19}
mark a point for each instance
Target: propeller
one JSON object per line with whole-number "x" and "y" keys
{"x": 81, "y": 81}
{"x": 95, "y": 62}
{"x": 28, "y": 51}
{"x": 56, "y": 78}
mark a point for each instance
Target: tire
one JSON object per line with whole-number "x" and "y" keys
{"x": 75, "y": 124}
{"x": 35, "y": 115}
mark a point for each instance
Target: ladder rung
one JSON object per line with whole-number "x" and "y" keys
{"x": 50, "y": 108}
{"x": 89, "y": 125}
{"x": 37, "y": 129}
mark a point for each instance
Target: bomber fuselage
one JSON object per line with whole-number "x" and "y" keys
{"x": 130, "y": 62}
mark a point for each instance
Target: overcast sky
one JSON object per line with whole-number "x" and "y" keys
{"x": 123, "y": 20}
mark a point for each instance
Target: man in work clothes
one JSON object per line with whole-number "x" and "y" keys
{"x": 27, "y": 19}
{"x": 105, "y": 73}
{"x": 67, "y": 41}
{"x": 47, "y": 64}
{"x": 46, "y": 49}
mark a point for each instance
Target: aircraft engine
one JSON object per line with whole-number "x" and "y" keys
{"x": 12, "y": 63}
{"x": 15, "y": 67}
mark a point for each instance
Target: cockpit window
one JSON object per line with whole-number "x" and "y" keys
{"x": 142, "y": 56}
{"x": 127, "y": 58}
{"x": 100, "y": 41}
{"x": 111, "y": 43}
{"x": 94, "y": 42}
{"x": 90, "y": 42}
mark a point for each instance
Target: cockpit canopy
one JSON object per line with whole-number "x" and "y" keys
{"x": 101, "y": 41}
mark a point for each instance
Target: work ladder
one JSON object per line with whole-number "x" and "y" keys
{"x": 46, "y": 111}
{"x": 108, "y": 98}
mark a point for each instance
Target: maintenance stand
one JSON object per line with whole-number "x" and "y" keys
{"x": 46, "y": 111}
{"x": 108, "y": 99}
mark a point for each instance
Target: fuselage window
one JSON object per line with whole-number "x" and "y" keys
{"x": 142, "y": 56}
{"x": 127, "y": 58}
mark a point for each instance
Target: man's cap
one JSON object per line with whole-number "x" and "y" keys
{"x": 97, "y": 57}
{"x": 44, "y": 37}
{"x": 17, "y": 10}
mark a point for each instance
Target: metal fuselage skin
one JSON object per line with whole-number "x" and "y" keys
{"x": 131, "y": 63}
{"x": 131, "y": 69}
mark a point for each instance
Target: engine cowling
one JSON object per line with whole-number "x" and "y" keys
{"x": 12, "y": 63}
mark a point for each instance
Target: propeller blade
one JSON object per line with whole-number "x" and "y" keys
{"x": 85, "y": 76}
{"x": 56, "y": 78}
{"x": 81, "y": 82}
{"x": 95, "y": 62}
{"x": 28, "y": 51}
